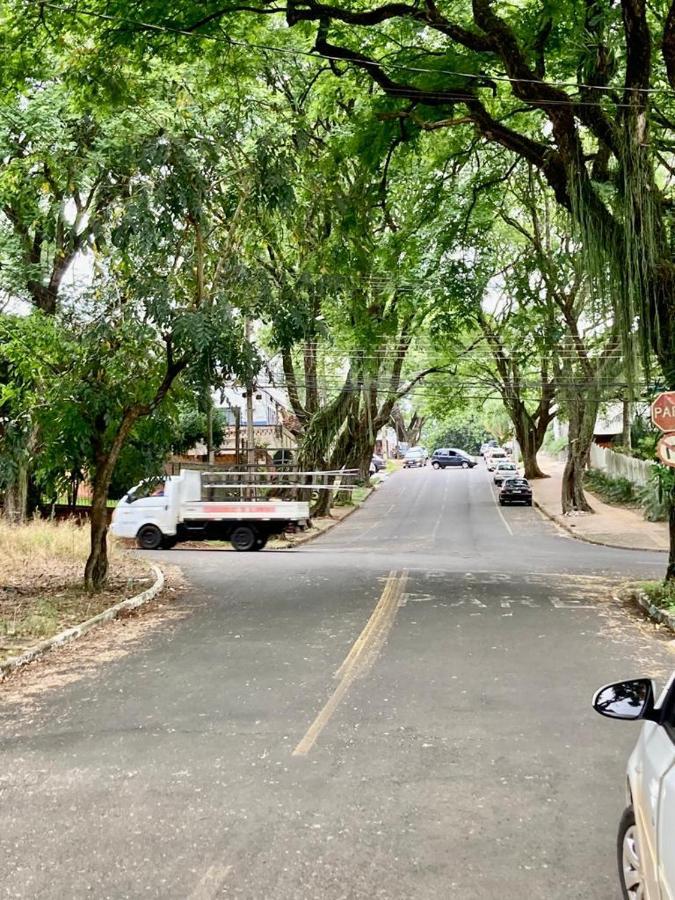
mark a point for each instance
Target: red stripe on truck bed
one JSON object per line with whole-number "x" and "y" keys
{"x": 241, "y": 507}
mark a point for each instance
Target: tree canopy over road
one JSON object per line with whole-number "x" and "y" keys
{"x": 453, "y": 203}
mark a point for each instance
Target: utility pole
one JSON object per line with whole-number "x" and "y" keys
{"x": 209, "y": 429}
{"x": 250, "y": 438}
{"x": 237, "y": 436}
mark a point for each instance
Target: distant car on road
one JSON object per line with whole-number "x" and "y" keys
{"x": 505, "y": 470}
{"x": 515, "y": 490}
{"x": 415, "y": 458}
{"x": 449, "y": 456}
{"x": 487, "y": 445}
{"x": 494, "y": 456}
{"x": 645, "y": 846}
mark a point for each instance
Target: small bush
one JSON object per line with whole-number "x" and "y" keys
{"x": 619, "y": 491}
{"x": 660, "y": 594}
{"x": 654, "y": 503}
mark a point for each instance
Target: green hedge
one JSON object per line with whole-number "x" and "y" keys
{"x": 619, "y": 491}
{"x": 660, "y": 593}
{"x": 650, "y": 498}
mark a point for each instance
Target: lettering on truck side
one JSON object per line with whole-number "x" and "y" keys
{"x": 239, "y": 507}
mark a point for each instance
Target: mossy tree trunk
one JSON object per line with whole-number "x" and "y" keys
{"x": 582, "y": 414}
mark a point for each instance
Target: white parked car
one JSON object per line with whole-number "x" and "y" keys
{"x": 494, "y": 456}
{"x": 646, "y": 842}
{"x": 505, "y": 469}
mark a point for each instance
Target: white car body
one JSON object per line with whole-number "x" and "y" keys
{"x": 647, "y": 853}
{"x": 495, "y": 456}
{"x": 505, "y": 469}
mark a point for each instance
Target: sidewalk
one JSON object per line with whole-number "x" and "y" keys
{"x": 615, "y": 526}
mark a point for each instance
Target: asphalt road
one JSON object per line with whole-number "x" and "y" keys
{"x": 399, "y": 709}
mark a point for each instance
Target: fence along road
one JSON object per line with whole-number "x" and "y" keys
{"x": 618, "y": 465}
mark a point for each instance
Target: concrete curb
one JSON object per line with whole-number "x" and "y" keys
{"x": 587, "y": 540}
{"x": 306, "y": 538}
{"x": 639, "y": 597}
{"x": 70, "y": 634}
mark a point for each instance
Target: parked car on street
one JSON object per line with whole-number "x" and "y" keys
{"x": 645, "y": 845}
{"x": 414, "y": 458}
{"x": 378, "y": 462}
{"x": 505, "y": 470}
{"x": 515, "y": 490}
{"x": 423, "y": 449}
{"x": 494, "y": 456}
{"x": 487, "y": 445}
{"x": 449, "y": 456}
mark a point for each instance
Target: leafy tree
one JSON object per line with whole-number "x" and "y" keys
{"x": 161, "y": 301}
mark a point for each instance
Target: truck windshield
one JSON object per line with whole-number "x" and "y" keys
{"x": 151, "y": 487}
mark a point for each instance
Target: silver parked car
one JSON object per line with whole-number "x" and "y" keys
{"x": 646, "y": 840}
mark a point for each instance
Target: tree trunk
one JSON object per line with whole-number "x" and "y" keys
{"x": 16, "y": 495}
{"x": 582, "y": 414}
{"x": 529, "y": 447}
{"x": 361, "y": 446}
{"x": 626, "y": 415}
{"x": 96, "y": 569}
{"x": 573, "y": 498}
{"x": 322, "y": 505}
{"x": 530, "y": 438}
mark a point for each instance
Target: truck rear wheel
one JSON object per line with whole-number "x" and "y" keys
{"x": 149, "y": 537}
{"x": 244, "y": 538}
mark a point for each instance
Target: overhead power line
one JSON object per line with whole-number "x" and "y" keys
{"x": 379, "y": 63}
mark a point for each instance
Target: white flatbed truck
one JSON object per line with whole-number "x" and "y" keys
{"x": 186, "y": 507}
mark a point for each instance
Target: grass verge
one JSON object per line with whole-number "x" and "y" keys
{"x": 660, "y": 594}
{"x": 41, "y": 592}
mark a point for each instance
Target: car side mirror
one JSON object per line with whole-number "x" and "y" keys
{"x": 626, "y": 700}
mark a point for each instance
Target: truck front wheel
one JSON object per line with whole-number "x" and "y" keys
{"x": 149, "y": 537}
{"x": 244, "y": 538}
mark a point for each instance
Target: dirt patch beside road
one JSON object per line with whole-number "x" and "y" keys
{"x": 28, "y": 686}
{"x": 41, "y": 591}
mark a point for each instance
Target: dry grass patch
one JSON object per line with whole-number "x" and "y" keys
{"x": 41, "y": 592}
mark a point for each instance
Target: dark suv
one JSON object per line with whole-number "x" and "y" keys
{"x": 446, "y": 456}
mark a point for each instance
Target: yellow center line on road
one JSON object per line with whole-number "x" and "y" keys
{"x": 361, "y": 657}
